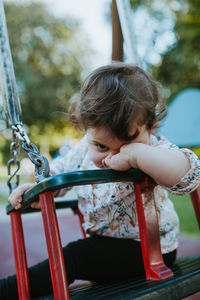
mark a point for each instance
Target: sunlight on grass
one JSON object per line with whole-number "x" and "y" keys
{"x": 188, "y": 221}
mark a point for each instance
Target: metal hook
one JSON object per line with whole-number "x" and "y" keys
{"x": 32, "y": 151}
{"x": 13, "y": 185}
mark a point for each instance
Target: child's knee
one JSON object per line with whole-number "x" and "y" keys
{"x": 70, "y": 253}
{"x": 70, "y": 249}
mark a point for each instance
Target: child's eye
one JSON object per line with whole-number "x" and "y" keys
{"x": 101, "y": 147}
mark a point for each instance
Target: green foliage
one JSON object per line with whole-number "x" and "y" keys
{"x": 4, "y": 150}
{"x": 180, "y": 68}
{"x": 49, "y": 55}
{"x": 47, "y": 61}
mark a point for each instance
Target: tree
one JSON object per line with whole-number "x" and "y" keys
{"x": 178, "y": 67}
{"x": 48, "y": 59}
{"x": 49, "y": 55}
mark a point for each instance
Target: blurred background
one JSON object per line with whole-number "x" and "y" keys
{"x": 56, "y": 43}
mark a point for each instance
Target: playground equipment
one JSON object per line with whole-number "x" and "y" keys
{"x": 183, "y": 128}
{"x": 160, "y": 281}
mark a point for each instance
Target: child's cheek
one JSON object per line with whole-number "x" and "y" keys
{"x": 97, "y": 158}
{"x": 93, "y": 156}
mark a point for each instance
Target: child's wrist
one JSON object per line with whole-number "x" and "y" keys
{"x": 136, "y": 154}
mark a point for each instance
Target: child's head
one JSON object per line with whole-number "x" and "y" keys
{"x": 116, "y": 97}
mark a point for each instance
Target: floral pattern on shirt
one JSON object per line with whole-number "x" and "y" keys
{"x": 191, "y": 180}
{"x": 109, "y": 209}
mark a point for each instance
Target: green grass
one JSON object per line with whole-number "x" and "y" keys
{"x": 185, "y": 211}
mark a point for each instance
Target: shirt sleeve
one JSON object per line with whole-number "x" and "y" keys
{"x": 191, "y": 180}
{"x": 71, "y": 161}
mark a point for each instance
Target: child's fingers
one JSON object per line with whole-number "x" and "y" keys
{"x": 118, "y": 162}
{"x": 15, "y": 197}
{"x": 106, "y": 162}
{"x": 56, "y": 193}
{"x": 15, "y": 200}
{"x": 36, "y": 205}
{"x": 109, "y": 161}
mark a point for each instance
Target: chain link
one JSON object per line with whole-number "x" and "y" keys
{"x": 40, "y": 162}
{"x": 13, "y": 162}
{"x": 21, "y": 134}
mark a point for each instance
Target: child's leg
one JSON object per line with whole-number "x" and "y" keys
{"x": 40, "y": 280}
{"x": 96, "y": 258}
{"x": 102, "y": 259}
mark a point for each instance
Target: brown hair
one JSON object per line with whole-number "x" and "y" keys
{"x": 115, "y": 96}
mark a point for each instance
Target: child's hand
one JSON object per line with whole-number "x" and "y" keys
{"x": 36, "y": 205}
{"x": 15, "y": 197}
{"x": 166, "y": 166}
{"x": 125, "y": 159}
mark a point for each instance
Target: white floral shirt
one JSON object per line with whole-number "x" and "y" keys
{"x": 109, "y": 209}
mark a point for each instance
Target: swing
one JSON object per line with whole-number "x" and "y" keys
{"x": 160, "y": 281}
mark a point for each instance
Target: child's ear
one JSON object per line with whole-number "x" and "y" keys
{"x": 154, "y": 126}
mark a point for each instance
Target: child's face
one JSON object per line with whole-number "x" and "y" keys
{"x": 102, "y": 142}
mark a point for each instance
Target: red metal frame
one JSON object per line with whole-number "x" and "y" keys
{"x": 149, "y": 233}
{"x": 195, "y": 197}
{"x": 20, "y": 256}
{"x": 54, "y": 247}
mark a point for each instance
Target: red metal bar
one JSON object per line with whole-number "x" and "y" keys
{"x": 54, "y": 247}
{"x": 149, "y": 234}
{"x": 195, "y": 197}
{"x": 81, "y": 220}
{"x": 20, "y": 256}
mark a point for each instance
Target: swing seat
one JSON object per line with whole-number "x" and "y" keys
{"x": 184, "y": 283}
{"x": 160, "y": 282}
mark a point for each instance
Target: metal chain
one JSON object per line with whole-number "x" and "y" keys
{"x": 21, "y": 134}
{"x": 14, "y": 151}
{"x": 40, "y": 162}
{"x": 13, "y": 111}
{"x": 7, "y": 76}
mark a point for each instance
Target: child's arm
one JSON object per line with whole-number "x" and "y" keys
{"x": 165, "y": 166}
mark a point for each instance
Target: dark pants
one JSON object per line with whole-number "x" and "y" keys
{"x": 97, "y": 258}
